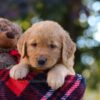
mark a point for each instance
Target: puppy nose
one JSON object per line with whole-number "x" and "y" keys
{"x": 42, "y": 61}
{"x": 10, "y": 35}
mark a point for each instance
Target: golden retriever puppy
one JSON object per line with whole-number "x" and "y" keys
{"x": 46, "y": 45}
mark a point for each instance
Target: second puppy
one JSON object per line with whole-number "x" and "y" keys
{"x": 9, "y": 35}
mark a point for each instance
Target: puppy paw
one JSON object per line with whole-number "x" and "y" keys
{"x": 55, "y": 80}
{"x": 19, "y": 71}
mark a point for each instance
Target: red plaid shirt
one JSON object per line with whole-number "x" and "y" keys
{"x": 34, "y": 87}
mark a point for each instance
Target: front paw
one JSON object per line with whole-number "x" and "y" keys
{"x": 55, "y": 80}
{"x": 19, "y": 71}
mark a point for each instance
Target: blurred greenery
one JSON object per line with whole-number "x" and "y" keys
{"x": 80, "y": 17}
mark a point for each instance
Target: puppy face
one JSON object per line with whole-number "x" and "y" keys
{"x": 43, "y": 49}
{"x": 9, "y": 33}
{"x": 46, "y": 44}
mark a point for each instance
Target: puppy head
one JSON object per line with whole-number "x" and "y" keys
{"x": 9, "y": 33}
{"x": 44, "y": 45}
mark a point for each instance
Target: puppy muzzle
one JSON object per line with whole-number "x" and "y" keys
{"x": 41, "y": 61}
{"x": 10, "y": 35}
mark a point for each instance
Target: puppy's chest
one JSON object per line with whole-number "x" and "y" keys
{"x": 6, "y": 60}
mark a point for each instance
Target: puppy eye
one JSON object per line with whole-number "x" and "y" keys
{"x": 2, "y": 29}
{"x": 52, "y": 46}
{"x": 34, "y": 44}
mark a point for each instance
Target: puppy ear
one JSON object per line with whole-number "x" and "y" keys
{"x": 22, "y": 44}
{"x": 68, "y": 49}
{"x": 17, "y": 28}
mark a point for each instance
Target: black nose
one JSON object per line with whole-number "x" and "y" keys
{"x": 10, "y": 35}
{"x": 42, "y": 61}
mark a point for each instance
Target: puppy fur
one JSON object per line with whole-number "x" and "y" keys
{"x": 46, "y": 39}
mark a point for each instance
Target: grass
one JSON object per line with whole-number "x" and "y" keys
{"x": 92, "y": 95}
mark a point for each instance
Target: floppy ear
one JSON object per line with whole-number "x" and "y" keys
{"x": 17, "y": 28}
{"x": 22, "y": 43}
{"x": 68, "y": 50}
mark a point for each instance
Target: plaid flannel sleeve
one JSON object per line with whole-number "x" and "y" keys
{"x": 34, "y": 87}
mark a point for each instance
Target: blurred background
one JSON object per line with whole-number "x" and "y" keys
{"x": 80, "y": 17}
